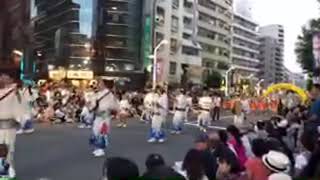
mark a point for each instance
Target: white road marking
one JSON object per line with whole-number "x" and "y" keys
{"x": 211, "y": 127}
{"x": 226, "y": 117}
{"x": 195, "y": 124}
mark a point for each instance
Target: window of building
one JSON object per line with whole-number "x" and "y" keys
{"x": 209, "y": 4}
{"x": 160, "y": 16}
{"x": 117, "y": 18}
{"x": 186, "y": 36}
{"x": 173, "y": 45}
{"x": 187, "y": 23}
{"x": 187, "y": 4}
{"x": 172, "y": 68}
{"x": 190, "y": 51}
{"x": 159, "y": 37}
{"x": 174, "y": 24}
{"x": 175, "y": 4}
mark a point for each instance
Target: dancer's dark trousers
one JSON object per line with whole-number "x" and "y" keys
{"x": 216, "y": 114}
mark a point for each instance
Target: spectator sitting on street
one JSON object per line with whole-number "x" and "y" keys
{"x": 208, "y": 159}
{"x": 255, "y": 168}
{"x": 310, "y": 141}
{"x": 219, "y": 148}
{"x": 260, "y": 130}
{"x": 193, "y": 166}
{"x": 154, "y": 161}
{"x": 226, "y": 171}
{"x": 118, "y": 168}
{"x": 277, "y": 163}
{"x": 237, "y": 144}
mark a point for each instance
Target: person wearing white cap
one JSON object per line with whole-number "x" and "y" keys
{"x": 278, "y": 163}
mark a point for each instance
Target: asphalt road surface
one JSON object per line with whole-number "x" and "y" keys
{"x": 61, "y": 152}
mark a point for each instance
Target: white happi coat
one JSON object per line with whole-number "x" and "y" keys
{"x": 148, "y": 100}
{"x": 125, "y": 106}
{"x": 12, "y": 110}
{"x": 205, "y": 104}
{"x": 181, "y": 105}
{"x": 148, "y": 106}
{"x": 103, "y": 112}
{"x": 157, "y": 119}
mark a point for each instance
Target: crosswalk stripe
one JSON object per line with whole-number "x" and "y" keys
{"x": 211, "y": 127}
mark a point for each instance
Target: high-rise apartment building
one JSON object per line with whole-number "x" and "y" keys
{"x": 88, "y": 37}
{"x": 275, "y": 31}
{"x": 215, "y": 34}
{"x": 180, "y": 60}
{"x": 199, "y": 32}
{"x": 271, "y": 60}
{"x": 272, "y": 48}
{"x": 245, "y": 46}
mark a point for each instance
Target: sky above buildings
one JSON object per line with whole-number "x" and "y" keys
{"x": 292, "y": 14}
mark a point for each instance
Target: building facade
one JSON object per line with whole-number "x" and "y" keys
{"x": 180, "y": 60}
{"x": 14, "y": 35}
{"x": 245, "y": 46}
{"x": 271, "y": 60}
{"x": 297, "y": 79}
{"x": 199, "y": 32}
{"x": 215, "y": 34}
{"x": 272, "y": 53}
{"x": 96, "y": 37}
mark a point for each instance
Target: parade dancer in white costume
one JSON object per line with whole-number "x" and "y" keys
{"x": 147, "y": 109}
{"x": 86, "y": 117}
{"x": 160, "y": 110}
{"x": 189, "y": 107}
{"x": 205, "y": 105}
{"x": 105, "y": 107}
{"x": 11, "y": 111}
{"x": 125, "y": 111}
{"x": 180, "y": 107}
{"x": 27, "y": 120}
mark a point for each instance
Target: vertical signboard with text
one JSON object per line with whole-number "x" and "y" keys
{"x": 147, "y": 50}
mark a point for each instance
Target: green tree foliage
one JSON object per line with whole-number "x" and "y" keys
{"x": 214, "y": 80}
{"x": 303, "y": 47}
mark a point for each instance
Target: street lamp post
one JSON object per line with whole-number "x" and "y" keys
{"x": 154, "y": 75}
{"x": 227, "y": 80}
{"x": 258, "y": 87}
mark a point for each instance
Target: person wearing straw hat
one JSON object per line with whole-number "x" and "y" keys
{"x": 278, "y": 165}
